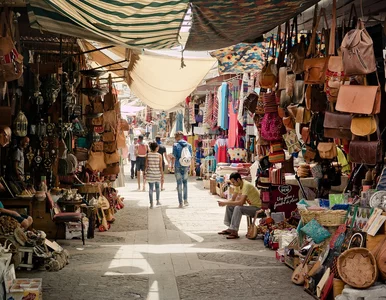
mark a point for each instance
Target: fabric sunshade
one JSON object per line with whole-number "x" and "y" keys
{"x": 219, "y": 24}
{"x": 160, "y": 82}
{"x": 141, "y": 24}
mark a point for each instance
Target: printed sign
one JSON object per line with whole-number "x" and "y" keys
{"x": 284, "y": 199}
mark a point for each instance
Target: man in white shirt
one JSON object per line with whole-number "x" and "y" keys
{"x": 133, "y": 158}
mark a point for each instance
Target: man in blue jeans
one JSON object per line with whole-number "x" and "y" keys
{"x": 181, "y": 172}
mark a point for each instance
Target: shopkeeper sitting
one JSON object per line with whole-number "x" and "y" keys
{"x": 24, "y": 220}
{"x": 244, "y": 193}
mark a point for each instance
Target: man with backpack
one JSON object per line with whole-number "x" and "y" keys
{"x": 182, "y": 151}
{"x": 141, "y": 151}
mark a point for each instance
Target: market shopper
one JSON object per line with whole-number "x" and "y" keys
{"x": 181, "y": 172}
{"x": 154, "y": 172}
{"x": 244, "y": 193}
{"x": 162, "y": 151}
{"x": 133, "y": 158}
{"x": 141, "y": 151}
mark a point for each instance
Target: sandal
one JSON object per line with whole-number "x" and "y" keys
{"x": 226, "y": 231}
{"x": 232, "y": 237}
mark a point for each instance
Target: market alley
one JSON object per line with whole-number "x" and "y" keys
{"x": 169, "y": 253}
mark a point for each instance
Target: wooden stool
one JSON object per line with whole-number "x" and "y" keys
{"x": 26, "y": 255}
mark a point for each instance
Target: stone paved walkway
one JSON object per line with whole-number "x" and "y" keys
{"x": 169, "y": 253}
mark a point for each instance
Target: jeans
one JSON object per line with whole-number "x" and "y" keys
{"x": 233, "y": 215}
{"x": 151, "y": 189}
{"x": 133, "y": 171}
{"x": 181, "y": 174}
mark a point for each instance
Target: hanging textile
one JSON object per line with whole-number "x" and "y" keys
{"x": 192, "y": 116}
{"x": 221, "y": 23}
{"x": 137, "y": 24}
{"x": 219, "y": 110}
{"x": 188, "y": 127}
{"x": 208, "y": 109}
{"x": 215, "y": 109}
{"x": 149, "y": 114}
{"x": 162, "y": 122}
{"x": 234, "y": 91}
{"x": 240, "y": 58}
{"x": 224, "y": 105}
{"x": 243, "y": 94}
{"x": 179, "y": 121}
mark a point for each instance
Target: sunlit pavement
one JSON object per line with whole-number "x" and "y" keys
{"x": 169, "y": 253}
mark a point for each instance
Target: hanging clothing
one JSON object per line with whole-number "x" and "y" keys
{"x": 219, "y": 110}
{"x": 215, "y": 109}
{"x": 224, "y": 106}
{"x": 243, "y": 94}
{"x": 179, "y": 122}
{"x": 250, "y": 124}
{"x": 221, "y": 150}
{"x": 234, "y": 91}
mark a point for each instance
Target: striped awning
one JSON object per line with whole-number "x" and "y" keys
{"x": 140, "y": 24}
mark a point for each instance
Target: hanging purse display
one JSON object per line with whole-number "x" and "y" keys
{"x": 310, "y": 154}
{"x": 337, "y": 125}
{"x": 285, "y": 100}
{"x": 98, "y": 129}
{"x": 298, "y": 92}
{"x": 112, "y": 158}
{"x": 109, "y": 136}
{"x": 121, "y": 139}
{"x": 97, "y": 146}
{"x": 96, "y": 161}
{"x": 358, "y": 52}
{"x": 250, "y": 102}
{"x": 269, "y": 100}
{"x": 289, "y": 123}
{"x": 359, "y": 99}
{"x": 318, "y": 98}
{"x": 303, "y": 115}
{"x": 109, "y": 147}
{"x": 111, "y": 170}
{"x": 327, "y": 150}
{"x": 290, "y": 85}
{"x": 276, "y": 157}
{"x": 363, "y": 126}
{"x": 315, "y": 68}
{"x": 297, "y": 52}
{"x": 97, "y": 121}
{"x": 366, "y": 152}
{"x": 306, "y": 135}
{"x": 81, "y": 154}
{"x": 271, "y": 127}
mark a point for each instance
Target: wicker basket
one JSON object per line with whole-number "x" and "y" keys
{"x": 324, "y": 217}
{"x": 88, "y": 189}
{"x": 357, "y": 267}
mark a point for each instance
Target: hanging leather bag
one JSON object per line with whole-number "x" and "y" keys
{"x": 337, "y": 125}
{"x": 96, "y": 161}
{"x": 121, "y": 139}
{"x": 250, "y": 102}
{"x": 359, "y": 99}
{"x": 271, "y": 127}
{"x": 297, "y": 52}
{"x": 358, "y": 52}
{"x": 366, "y": 152}
{"x": 11, "y": 61}
{"x": 363, "y": 126}
{"x": 109, "y": 136}
{"x": 111, "y": 170}
{"x": 315, "y": 68}
{"x": 112, "y": 158}
{"x": 268, "y": 75}
{"x": 110, "y": 147}
{"x": 318, "y": 98}
{"x": 327, "y": 150}
{"x": 97, "y": 121}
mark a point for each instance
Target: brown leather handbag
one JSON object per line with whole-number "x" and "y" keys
{"x": 112, "y": 158}
{"x": 268, "y": 75}
{"x": 97, "y": 121}
{"x": 337, "y": 125}
{"x": 366, "y": 152}
{"x": 318, "y": 98}
{"x": 327, "y": 150}
{"x": 289, "y": 123}
{"x": 359, "y": 99}
{"x": 121, "y": 139}
{"x": 96, "y": 161}
{"x": 363, "y": 126}
{"x": 310, "y": 154}
{"x": 111, "y": 170}
{"x": 97, "y": 146}
{"x": 110, "y": 147}
{"x": 109, "y": 136}
{"x": 81, "y": 154}
{"x": 306, "y": 135}
{"x": 315, "y": 68}
{"x": 303, "y": 115}
{"x": 358, "y": 52}
{"x": 250, "y": 102}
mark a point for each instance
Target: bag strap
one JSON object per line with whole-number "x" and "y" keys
{"x": 331, "y": 49}
{"x": 311, "y": 47}
{"x": 353, "y": 16}
{"x": 356, "y": 234}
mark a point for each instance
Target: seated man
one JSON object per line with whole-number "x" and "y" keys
{"x": 24, "y": 220}
{"x": 244, "y": 192}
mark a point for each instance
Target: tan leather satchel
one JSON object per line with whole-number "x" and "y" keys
{"x": 110, "y": 147}
{"x": 110, "y": 119}
{"x": 327, "y": 150}
{"x": 268, "y": 75}
{"x": 315, "y": 68}
{"x": 363, "y": 126}
{"x": 282, "y": 78}
{"x": 121, "y": 139}
{"x": 112, "y": 158}
{"x": 96, "y": 161}
{"x": 359, "y": 99}
{"x": 109, "y": 136}
{"x": 303, "y": 115}
{"x": 358, "y": 52}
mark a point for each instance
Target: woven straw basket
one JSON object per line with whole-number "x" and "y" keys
{"x": 357, "y": 267}
{"x": 324, "y": 217}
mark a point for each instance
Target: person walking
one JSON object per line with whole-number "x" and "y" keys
{"x": 154, "y": 172}
{"x": 162, "y": 151}
{"x": 182, "y": 164}
{"x": 133, "y": 158}
{"x": 141, "y": 151}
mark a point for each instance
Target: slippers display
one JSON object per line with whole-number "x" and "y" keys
{"x": 232, "y": 237}
{"x": 226, "y": 231}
